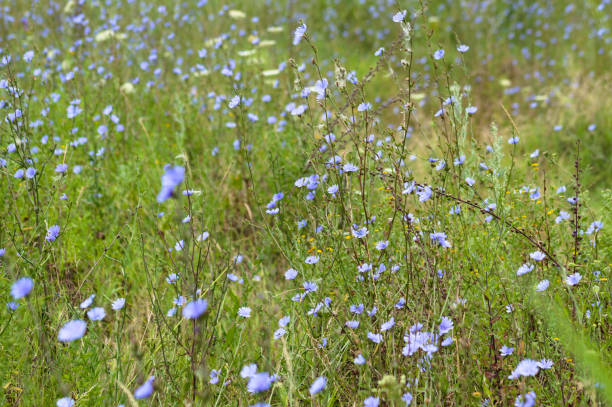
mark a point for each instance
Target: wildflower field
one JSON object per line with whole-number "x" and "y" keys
{"x": 305, "y": 203}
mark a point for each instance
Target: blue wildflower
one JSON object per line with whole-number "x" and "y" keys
{"x": 312, "y": 260}
{"x": 573, "y": 279}
{"x": 359, "y": 233}
{"x": 87, "y": 302}
{"x": 30, "y": 173}
{"x": 195, "y": 309}
{"x": 22, "y": 287}
{"x": 259, "y": 382}
{"x": 446, "y": 325}
{"x": 525, "y": 400}
{"x": 359, "y": 360}
{"x": 96, "y": 314}
{"x": 52, "y": 233}
{"x": 72, "y": 331}
{"x": 61, "y": 168}
{"x": 145, "y": 390}
{"x": 291, "y": 274}
{"x": 440, "y": 238}
{"x": 542, "y": 285}
{"x": 399, "y": 16}
{"x": 524, "y": 269}
{"x": 65, "y": 402}
{"x": 382, "y": 245}
{"x": 371, "y": 402}
{"x": 318, "y": 385}
{"x": 170, "y": 180}
{"x": 118, "y": 304}
{"x": 439, "y": 54}
{"x": 299, "y": 33}
{"x": 526, "y": 367}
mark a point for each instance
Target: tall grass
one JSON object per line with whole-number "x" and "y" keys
{"x": 256, "y": 204}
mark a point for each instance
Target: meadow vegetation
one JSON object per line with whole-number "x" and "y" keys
{"x": 327, "y": 203}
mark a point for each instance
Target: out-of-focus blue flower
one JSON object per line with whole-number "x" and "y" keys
{"x": 96, "y": 314}
{"x": 22, "y": 287}
{"x": 279, "y": 333}
{"x": 399, "y": 16}
{"x": 30, "y": 172}
{"x": 359, "y": 233}
{"x": 312, "y": 260}
{"x": 65, "y": 402}
{"x": 542, "y": 285}
{"x": 61, "y": 168}
{"x": 353, "y": 324}
{"x": 524, "y": 269}
{"x": 87, "y": 302}
{"x": 291, "y": 274}
{"x": 299, "y": 33}
{"x": 52, "y": 233}
{"x": 440, "y": 238}
{"x": 318, "y": 385}
{"x": 72, "y": 330}
{"x": 145, "y": 390}
{"x": 382, "y": 245}
{"x": 118, "y": 304}
{"x": 195, "y": 309}
{"x": 214, "y": 376}
{"x": 445, "y": 325}
{"x": 259, "y": 382}
{"x": 244, "y": 312}
{"x": 526, "y": 367}
{"x": 364, "y": 106}
{"x": 371, "y": 402}
{"x": 573, "y": 279}
{"x": 594, "y": 227}
{"x": 170, "y": 180}
{"x": 376, "y": 338}
{"x": 248, "y": 370}
{"x": 525, "y": 400}
{"x": 387, "y": 325}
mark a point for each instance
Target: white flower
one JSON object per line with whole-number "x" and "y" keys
{"x": 127, "y": 88}
{"x": 236, "y": 14}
